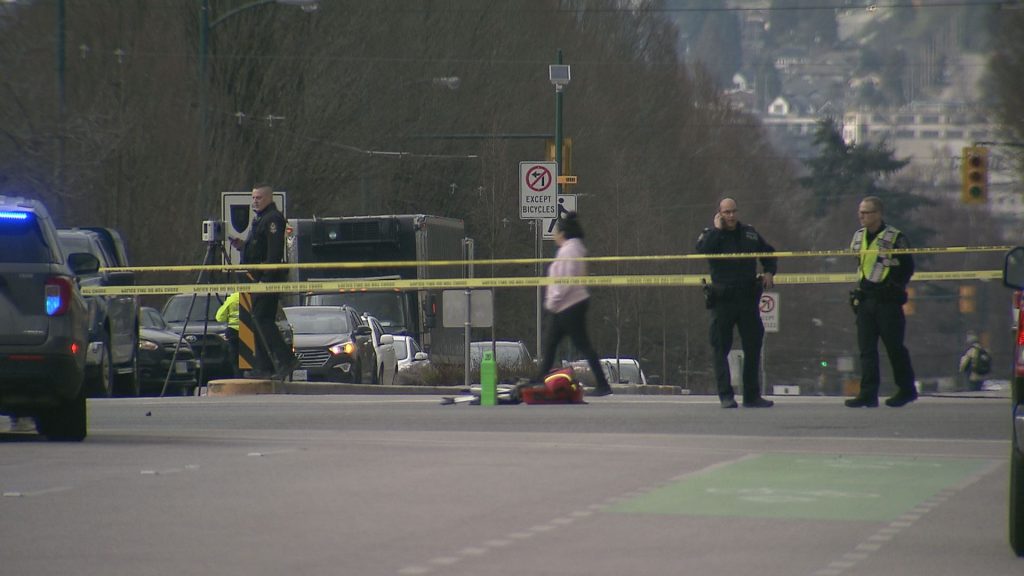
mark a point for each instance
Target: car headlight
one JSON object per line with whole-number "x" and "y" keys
{"x": 148, "y": 345}
{"x": 343, "y": 348}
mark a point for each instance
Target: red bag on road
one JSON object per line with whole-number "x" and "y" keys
{"x": 559, "y": 387}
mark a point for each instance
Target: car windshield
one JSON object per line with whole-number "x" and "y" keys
{"x": 22, "y": 240}
{"x": 313, "y": 321}
{"x": 506, "y": 353}
{"x": 74, "y": 243}
{"x": 178, "y": 306}
{"x": 385, "y": 306}
{"x": 152, "y": 319}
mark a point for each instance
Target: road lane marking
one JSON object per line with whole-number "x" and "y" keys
{"x": 32, "y": 493}
{"x": 790, "y": 486}
{"x": 876, "y": 541}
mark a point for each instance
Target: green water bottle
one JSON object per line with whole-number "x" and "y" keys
{"x": 488, "y": 380}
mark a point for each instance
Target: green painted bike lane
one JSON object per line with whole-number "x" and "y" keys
{"x": 814, "y": 487}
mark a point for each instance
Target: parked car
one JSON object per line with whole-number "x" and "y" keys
{"x": 383, "y": 347}
{"x": 408, "y": 353}
{"x": 45, "y": 332}
{"x": 1013, "y": 276}
{"x": 623, "y": 371}
{"x": 113, "y": 320}
{"x": 616, "y": 371}
{"x": 413, "y": 363}
{"x": 512, "y": 357}
{"x": 162, "y": 350}
{"x": 332, "y": 344}
{"x": 206, "y": 336}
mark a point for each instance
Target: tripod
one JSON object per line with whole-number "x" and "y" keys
{"x": 214, "y": 248}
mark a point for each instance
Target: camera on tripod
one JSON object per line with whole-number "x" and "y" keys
{"x": 213, "y": 230}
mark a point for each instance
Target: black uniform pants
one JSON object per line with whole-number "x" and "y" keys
{"x": 232, "y": 338}
{"x": 272, "y": 352}
{"x": 571, "y": 322}
{"x": 741, "y": 311}
{"x": 882, "y": 318}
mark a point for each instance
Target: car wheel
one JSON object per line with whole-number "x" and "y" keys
{"x": 128, "y": 384}
{"x": 107, "y": 376}
{"x": 1017, "y": 499}
{"x": 66, "y": 422}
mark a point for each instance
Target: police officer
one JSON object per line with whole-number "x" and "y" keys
{"x": 265, "y": 245}
{"x": 878, "y": 302}
{"x": 228, "y": 313}
{"x": 733, "y": 298}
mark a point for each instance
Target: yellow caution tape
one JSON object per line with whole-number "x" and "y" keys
{"x": 342, "y": 285}
{"x": 509, "y": 261}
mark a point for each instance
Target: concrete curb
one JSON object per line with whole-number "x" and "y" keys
{"x": 250, "y": 386}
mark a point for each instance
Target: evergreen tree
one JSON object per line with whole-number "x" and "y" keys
{"x": 843, "y": 173}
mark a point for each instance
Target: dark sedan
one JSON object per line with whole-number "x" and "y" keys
{"x": 207, "y": 337}
{"x": 332, "y": 344}
{"x": 157, "y": 357}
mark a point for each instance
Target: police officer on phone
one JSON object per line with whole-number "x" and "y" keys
{"x": 734, "y": 297}
{"x": 265, "y": 245}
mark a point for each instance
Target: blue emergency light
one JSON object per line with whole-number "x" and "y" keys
{"x": 54, "y": 301}
{"x": 13, "y": 215}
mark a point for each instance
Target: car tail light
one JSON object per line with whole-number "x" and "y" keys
{"x": 57, "y": 295}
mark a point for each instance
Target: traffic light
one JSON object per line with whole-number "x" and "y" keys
{"x": 967, "y": 302}
{"x": 974, "y": 175}
{"x": 549, "y": 154}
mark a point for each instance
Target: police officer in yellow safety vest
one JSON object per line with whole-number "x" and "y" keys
{"x": 878, "y": 302}
{"x": 228, "y": 313}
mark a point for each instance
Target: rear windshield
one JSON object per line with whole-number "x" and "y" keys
{"x": 21, "y": 238}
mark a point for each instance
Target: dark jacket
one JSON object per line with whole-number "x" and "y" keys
{"x": 265, "y": 244}
{"x": 735, "y": 272}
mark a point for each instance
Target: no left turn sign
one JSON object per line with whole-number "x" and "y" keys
{"x": 537, "y": 190}
{"x": 769, "y": 308}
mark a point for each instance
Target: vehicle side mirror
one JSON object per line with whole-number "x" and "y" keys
{"x": 362, "y": 331}
{"x": 83, "y": 263}
{"x": 386, "y": 339}
{"x": 419, "y": 356}
{"x": 120, "y": 279}
{"x": 1013, "y": 268}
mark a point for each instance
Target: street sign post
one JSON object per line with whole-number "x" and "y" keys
{"x": 538, "y": 190}
{"x": 770, "y": 311}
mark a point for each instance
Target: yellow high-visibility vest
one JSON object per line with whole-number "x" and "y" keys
{"x": 874, "y": 266}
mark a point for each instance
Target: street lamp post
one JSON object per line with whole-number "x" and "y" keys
{"x": 559, "y": 76}
{"x": 206, "y": 26}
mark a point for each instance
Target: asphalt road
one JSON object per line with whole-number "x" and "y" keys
{"x": 626, "y": 485}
